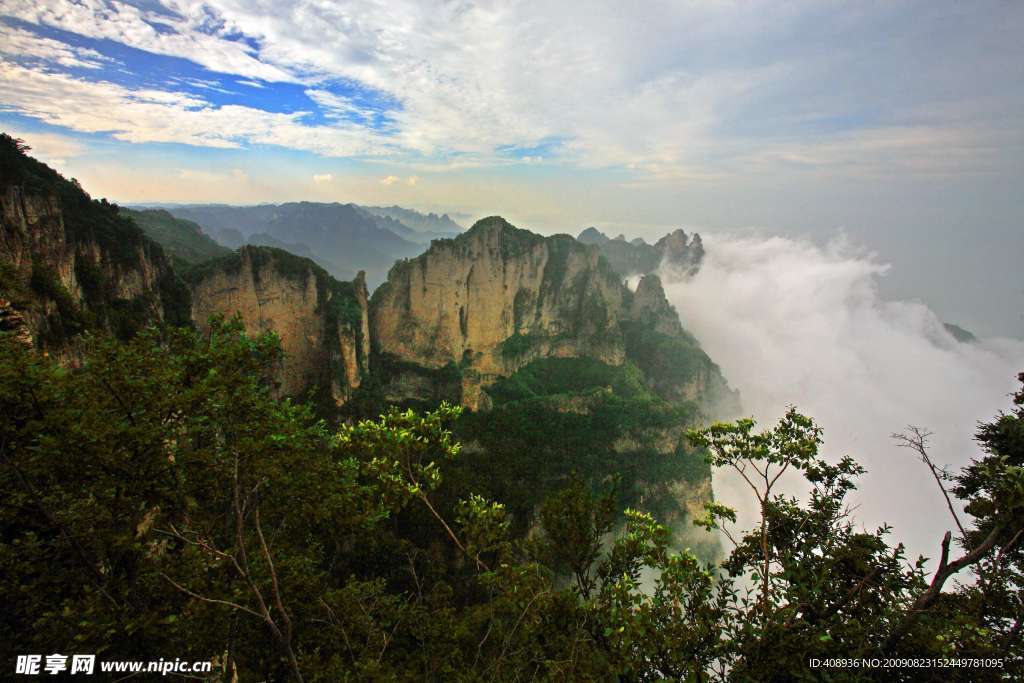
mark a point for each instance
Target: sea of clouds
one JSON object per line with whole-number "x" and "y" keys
{"x": 794, "y": 323}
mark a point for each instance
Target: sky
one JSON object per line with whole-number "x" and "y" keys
{"x": 898, "y": 126}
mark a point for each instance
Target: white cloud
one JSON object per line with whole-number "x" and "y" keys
{"x": 190, "y": 32}
{"x": 152, "y": 115}
{"x": 203, "y": 84}
{"x": 410, "y": 181}
{"x": 323, "y": 178}
{"x": 790, "y": 322}
{"x": 338, "y": 107}
{"x": 16, "y": 42}
{"x": 664, "y": 92}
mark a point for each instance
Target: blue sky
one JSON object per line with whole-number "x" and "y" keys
{"x": 897, "y": 123}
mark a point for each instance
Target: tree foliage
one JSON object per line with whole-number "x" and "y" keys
{"x": 157, "y": 501}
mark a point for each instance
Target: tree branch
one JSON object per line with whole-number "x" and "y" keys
{"x": 945, "y": 570}
{"x": 197, "y": 596}
{"x": 917, "y": 441}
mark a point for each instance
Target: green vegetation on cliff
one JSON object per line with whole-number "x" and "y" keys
{"x": 67, "y": 320}
{"x": 183, "y": 240}
{"x": 284, "y": 263}
{"x": 105, "y": 245}
{"x": 551, "y": 419}
{"x": 669, "y": 362}
{"x": 553, "y": 376}
{"x": 549, "y": 422}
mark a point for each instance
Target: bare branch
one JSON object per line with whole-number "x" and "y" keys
{"x": 197, "y": 596}
{"x": 742, "y": 471}
{"x": 916, "y": 439}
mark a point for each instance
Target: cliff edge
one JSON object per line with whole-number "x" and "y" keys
{"x": 323, "y": 323}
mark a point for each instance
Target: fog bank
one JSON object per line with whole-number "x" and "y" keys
{"x": 792, "y": 323}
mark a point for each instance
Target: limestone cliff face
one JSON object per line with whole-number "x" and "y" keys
{"x": 33, "y": 230}
{"x": 70, "y": 264}
{"x": 682, "y": 254}
{"x": 650, "y": 306}
{"x": 495, "y": 298}
{"x": 490, "y": 301}
{"x": 323, "y": 324}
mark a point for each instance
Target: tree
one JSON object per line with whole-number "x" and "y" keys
{"x": 820, "y": 588}
{"x": 157, "y": 499}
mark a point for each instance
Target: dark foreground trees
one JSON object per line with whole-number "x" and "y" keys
{"x": 158, "y": 503}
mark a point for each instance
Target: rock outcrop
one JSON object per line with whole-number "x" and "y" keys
{"x": 494, "y": 299}
{"x": 681, "y": 253}
{"x": 323, "y": 324}
{"x": 69, "y": 264}
{"x": 650, "y": 306}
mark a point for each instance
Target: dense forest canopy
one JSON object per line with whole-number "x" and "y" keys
{"x": 157, "y": 499}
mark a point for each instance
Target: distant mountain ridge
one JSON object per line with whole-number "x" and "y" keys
{"x": 636, "y": 257}
{"x": 183, "y": 240}
{"x": 419, "y": 222}
{"x": 342, "y": 238}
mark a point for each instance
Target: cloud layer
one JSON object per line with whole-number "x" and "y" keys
{"x": 679, "y": 91}
{"x": 791, "y": 323}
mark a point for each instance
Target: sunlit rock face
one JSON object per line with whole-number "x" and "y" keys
{"x": 495, "y": 298}
{"x": 70, "y": 264}
{"x": 322, "y": 323}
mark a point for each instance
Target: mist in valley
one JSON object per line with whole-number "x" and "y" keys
{"x": 794, "y": 323}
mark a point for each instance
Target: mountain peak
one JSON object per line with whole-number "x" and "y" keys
{"x": 592, "y": 236}
{"x": 491, "y": 223}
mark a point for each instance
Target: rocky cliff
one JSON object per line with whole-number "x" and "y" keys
{"x": 492, "y": 300}
{"x": 566, "y": 370}
{"x": 680, "y": 252}
{"x": 69, "y": 264}
{"x": 322, "y": 323}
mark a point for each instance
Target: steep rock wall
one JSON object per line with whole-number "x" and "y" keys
{"x": 98, "y": 273}
{"x": 492, "y": 300}
{"x": 323, "y": 324}
{"x": 495, "y": 298}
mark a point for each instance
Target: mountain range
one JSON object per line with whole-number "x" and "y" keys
{"x": 342, "y": 238}
{"x": 636, "y": 257}
{"x": 559, "y": 365}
